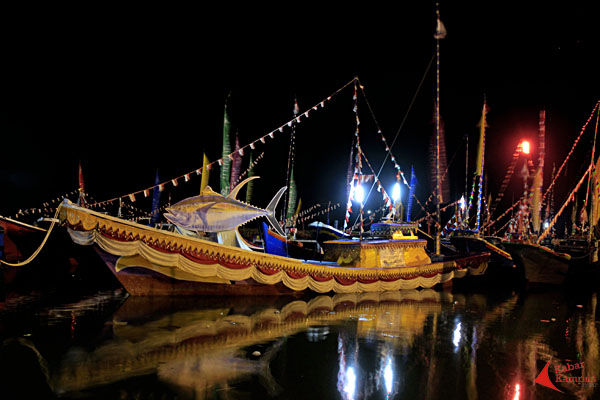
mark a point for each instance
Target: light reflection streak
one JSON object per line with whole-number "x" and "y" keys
{"x": 517, "y": 392}
{"x": 388, "y": 376}
{"x": 350, "y": 383}
{"x": 457, "y": 335}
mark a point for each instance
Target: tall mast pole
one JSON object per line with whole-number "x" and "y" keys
{"x": 439, "y": 34}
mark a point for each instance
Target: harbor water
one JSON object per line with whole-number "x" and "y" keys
{"x": 457, "y": 343}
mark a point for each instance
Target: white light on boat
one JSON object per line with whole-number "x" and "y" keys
{"x": 461, "y": 202}
{"x": 546, "y": 224}
{"x": 396, "y": 192}
{"x": 359, "y": 193}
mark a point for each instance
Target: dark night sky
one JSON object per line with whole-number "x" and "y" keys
{"x": 133, "y": 91}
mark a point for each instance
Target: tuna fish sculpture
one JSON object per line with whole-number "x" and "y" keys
{"x": 213, "y": 212}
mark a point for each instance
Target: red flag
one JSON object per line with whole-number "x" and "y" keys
{"x": 81, "y": 185}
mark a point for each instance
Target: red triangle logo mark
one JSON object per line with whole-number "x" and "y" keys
{"x": 544, "y": 379}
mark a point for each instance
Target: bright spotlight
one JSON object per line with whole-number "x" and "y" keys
{"x": 525, "y": 147}
{"x": 396, "y": 192}
{"x": 359, "y": 193}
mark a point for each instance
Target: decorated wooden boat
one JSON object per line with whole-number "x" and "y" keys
{"x": 501, "y": 265}
{"x": 149, "y": 261}
{"x": 540, "y": 264}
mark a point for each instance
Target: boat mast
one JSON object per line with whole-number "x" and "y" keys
{"x": 440, "y": 33}
{"x": 539, "y": 175}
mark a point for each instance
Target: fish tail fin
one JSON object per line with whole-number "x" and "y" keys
{"x": 271, "y": 211}
{"x": 235, "y": 190}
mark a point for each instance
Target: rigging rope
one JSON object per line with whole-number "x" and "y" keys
{"x": 198, "y": 171}
{"x": 39, "y": 249}
{"x": 571, "y": 197}
{"x": 389, "y": 147}
{"x": 570, "y": 152}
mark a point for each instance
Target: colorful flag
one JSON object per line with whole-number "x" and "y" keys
{"x": 205, "y": 173}
{"x": 155, "y": 201}
{"x": 481, "y": 148}
{"x": 226, "y": 161}
{"x": 480, "y": 162}
{"x": 81, "y": 200}
{"x": 595, "y": 214}
{"x": 292, "y": 198}
{"x": 81, "y": 183}
{"x": 411, "y": 192}
{"x": 440, "y": 29}
{"x": 236, "y": 163}
{"x": 250, "y": 184}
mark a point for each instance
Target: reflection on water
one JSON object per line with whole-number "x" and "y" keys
{"x": 420, "y": 344}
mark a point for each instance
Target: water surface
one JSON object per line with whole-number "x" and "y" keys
{"x": 421, "y": 344}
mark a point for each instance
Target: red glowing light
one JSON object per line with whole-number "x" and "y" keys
{"x": 525, "y": 147}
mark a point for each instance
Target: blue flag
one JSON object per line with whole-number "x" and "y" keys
{"x": 411, "y": 192}
{"x": 155, "y": 201}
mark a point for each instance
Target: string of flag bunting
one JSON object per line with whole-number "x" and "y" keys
{"x": 570, "y": 152}
{"x": 46, "y": 206}
{"x": 442, "y": 178}
{"x": 506, "y": 224}
{"x": 569, "y": 199}
{"x": 387, "y": 200}
{"x": 388, "y": 147}
{"x": 507, "y": 177}
{"x": 252, "y": 165}
{"x": 432, "y": 216}
{"x": 509, "y": 209}
{"x": 356, "y": 178}
{"x": 310, "y": 213}
{"x": 252, "y": 145}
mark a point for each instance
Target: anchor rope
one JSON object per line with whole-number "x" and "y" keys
{"x": 39, "y": 249}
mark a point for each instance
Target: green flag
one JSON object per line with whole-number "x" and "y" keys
{"x": 292, "y": 199}
{"x": 226, "y": 166}
{"x": 250, "y": 185}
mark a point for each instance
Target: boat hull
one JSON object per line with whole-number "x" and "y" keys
{"x": 539, "y": 264}
{"x": 148, "y": 261}
{"x": 501, "y": 265}
{"x": 140, "y": 280}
